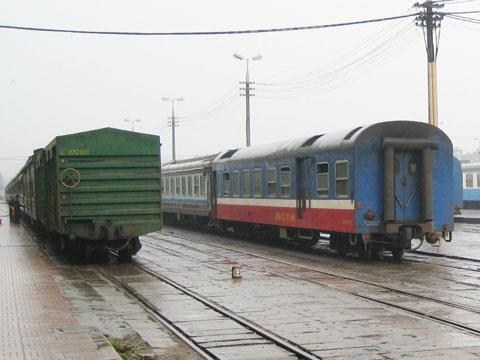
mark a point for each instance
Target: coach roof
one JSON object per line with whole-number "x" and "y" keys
{"x": 297, "y": 147}
{"x": 197, "y": 163}
{"x": 338, "y": 140}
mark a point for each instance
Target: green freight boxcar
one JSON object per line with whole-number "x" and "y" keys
{"x": 96, "y": 189}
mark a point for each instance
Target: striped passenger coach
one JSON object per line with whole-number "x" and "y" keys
{"x": 370, "y": 188}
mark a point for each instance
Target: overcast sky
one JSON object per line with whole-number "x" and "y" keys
{"x": 319, "y": 80}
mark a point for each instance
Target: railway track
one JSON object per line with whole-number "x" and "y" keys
{"x": 418, "y": 255}
{"x": 361, "y": 291}
{"x": 246, "y": 332}
{"x": 323, "y": 249}
{"x": 467, "y": 264}
{"x": 446, "y": 256}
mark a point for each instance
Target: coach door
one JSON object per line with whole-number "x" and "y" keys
{"x": 213, "y": 194}
{"x": 408, "y": 185}
{"x": 303, "y": 166}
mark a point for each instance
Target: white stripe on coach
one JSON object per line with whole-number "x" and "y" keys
{"x": 337, "y": 204}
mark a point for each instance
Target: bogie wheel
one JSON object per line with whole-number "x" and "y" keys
{"x": 308, "y": 243}
{"x": 363, "y": 250}
{"x": 342, "y": 251}
{"x": 397, "y": 253}
{"x": 341, "y": 246}
{"x": 375, "y": 252}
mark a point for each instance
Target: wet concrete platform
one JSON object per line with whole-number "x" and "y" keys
{"x": 293, "y": 295}
{"x": 468, "y": 216}
{"x": 35, "y": 319}
{"x": 465, "y": 243}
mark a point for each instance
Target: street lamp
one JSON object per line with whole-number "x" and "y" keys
{"x": 173, "y": 123}
{"x": 478, "y": 149}
{"x": 133, "y": 122}
{"x": 247, "y": 91}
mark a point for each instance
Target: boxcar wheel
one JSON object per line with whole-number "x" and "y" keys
{"x": 397, "y": 253}
{"x": 125, "y": 254}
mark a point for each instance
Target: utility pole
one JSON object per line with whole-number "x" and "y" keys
{"x": 430, "y": 21}
{"x": 173, "y": 123}
{"x": 133, "y": 122}
{"x": 248, "y": 93}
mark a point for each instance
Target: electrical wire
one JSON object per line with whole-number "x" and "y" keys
{"x": 464, "y": 18}
{"x": 372, "y": 58}
{"x": 343, "y": 58}
{"x": 459, "y": 12}
{"x": 336, "y": 83}
{"x": 335, "y": 66}
{"x": 213, "y": 105}
{"x": 456, "y": 23}
{"x": 200, "y": 33}
{"x": 453, "y": 2}
{"x": 233, "y": 102}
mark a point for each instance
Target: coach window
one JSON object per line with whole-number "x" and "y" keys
{"x": 202, "y": 185}
{"x": 469, "y": 180}
{"x": 163, "y": 187}
{"x": 236, "y": 183}
{"x": 177, "y": 186}
{"x": 272, "y": 182}
{"x": 226, "y": 184}
{"x": 285, "y": 181}
{"x": 184, "y": 186}
{"x": 478, "y": 180}
{"x": 257, "y": 182}
{"x": 166, "y": 184}
{"x": 219, "y": 184}
{"x": 341, "y": 178}
{"x": 196, "y": 184}
{"x": 246, "y": 183}
{"x": 172, "y": 186}
{"x": 322, "y": 179}
{"x": 189, "y": 185}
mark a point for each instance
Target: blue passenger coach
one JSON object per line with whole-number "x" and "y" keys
{"x": 471, "y": 185}
{"x": 186, "y": 187}
{"x": 371, "y": 188}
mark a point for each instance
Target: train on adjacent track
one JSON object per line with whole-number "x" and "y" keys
{"x": 367, "y": 189}
{"x": 93, "y": 190}
{"x": 471, "y": 185}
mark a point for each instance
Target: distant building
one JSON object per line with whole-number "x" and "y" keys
{"x": 466, "y": 158}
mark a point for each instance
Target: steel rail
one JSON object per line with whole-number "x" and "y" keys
{"x": 157, "y": 315}
{"x": 344, "y": 277}
{"x": 296, "y": 349}
{"x": 453, "y": 257}
{"x": 337, "y": 275}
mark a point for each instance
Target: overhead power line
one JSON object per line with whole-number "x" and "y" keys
{"x": 212, "y": 106}
{"x": 360, "y": 60}
{"x": 464, "y": 18}
{"x": 454, "y": 2}
{"x": 459, "y": 12}
{"x": 200, "y": 33}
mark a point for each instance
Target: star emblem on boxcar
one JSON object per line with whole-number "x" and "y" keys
{"x": 70, "y": 177}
